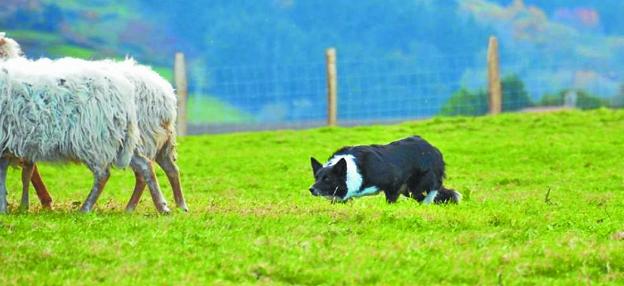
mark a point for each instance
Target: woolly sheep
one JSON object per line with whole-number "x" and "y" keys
{"x": 157, "y": 111}
{"x": 9, "y": 48}
{"x": 53, "y": 112}
{"x": 156, "y": 107}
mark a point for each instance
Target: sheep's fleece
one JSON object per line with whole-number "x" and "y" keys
{"x": 155, "y": 101}
{"x": 56, "y": 111}
{"x": 9, "y": 48}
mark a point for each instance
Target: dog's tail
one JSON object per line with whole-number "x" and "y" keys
{"x": 448, "y": 196}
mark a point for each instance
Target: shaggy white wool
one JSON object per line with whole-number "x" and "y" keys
{"x": 9, "y": 48}
{"x": 55, "y": 111}
{"x": 156, "y": 104}
{"x": 154, "y": 97}
{"x": 155, "y": 100}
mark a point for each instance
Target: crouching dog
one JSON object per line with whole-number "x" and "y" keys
{"x": 411, "y": 167}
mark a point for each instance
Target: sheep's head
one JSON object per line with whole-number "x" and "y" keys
{"x": 9, "y": 48}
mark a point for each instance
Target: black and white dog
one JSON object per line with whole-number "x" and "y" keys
{"x": 411, "y": 167}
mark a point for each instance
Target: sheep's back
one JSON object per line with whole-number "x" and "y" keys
{"x": 56, "y": 111}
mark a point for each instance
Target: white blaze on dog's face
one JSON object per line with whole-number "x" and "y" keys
{"x": 9, "y": 48}
{"x": 338, "y": 179}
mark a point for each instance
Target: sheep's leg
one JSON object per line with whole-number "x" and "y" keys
{"x": 40, "y": 188}
{"x": 139, "y": 186}
{"x": 101, "y": 176}
{"x": 27, "y": 173}
{"x": 143, "y": 166}
{"x": 166, "y": 162}
{"x": 4, "y": 166}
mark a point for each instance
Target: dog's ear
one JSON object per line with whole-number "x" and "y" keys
{"x": 340, "y": 168}
{"x": 315, "y": 165}
{"x": 2, "y": 41}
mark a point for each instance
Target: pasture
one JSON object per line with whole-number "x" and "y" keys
{"x": 543, "y": 201}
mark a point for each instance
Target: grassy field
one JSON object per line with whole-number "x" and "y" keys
{"x": 207, "y": 109}
{"x": 252, "y": 219}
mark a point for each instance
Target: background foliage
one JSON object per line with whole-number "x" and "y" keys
{"x": 549, "y": 45}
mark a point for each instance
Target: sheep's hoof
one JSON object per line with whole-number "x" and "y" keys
{"x": 183, "y": 208}
{"x": 46, "y": 205}
{"x": 164, "y": 210}
{"x": 130, "y": 209}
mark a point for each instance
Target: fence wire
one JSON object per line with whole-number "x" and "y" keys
{"x": 372, "y": 91}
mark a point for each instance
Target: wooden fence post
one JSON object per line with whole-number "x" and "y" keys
{"x": 332, "y": 87}
{"x": 495, "y": 94}
{"x": 179, "y": 72}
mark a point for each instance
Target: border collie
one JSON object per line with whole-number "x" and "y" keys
{"x": 411, "y": 167}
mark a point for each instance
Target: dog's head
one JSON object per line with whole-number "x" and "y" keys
{"x": 330, "y": 181}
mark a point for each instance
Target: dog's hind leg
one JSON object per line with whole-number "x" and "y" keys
{"x": 427, "y": 183}
{"x": 431, "y": 196}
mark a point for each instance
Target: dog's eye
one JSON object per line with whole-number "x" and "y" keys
{"x": 325, "y": 178}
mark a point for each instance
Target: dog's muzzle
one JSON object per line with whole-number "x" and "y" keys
{"x": 314, "y": 192}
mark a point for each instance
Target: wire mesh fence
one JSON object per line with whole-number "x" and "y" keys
{"x": 256, "y": 97}
{"x": 374, "y": 91}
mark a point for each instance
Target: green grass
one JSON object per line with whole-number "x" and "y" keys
{"x": 165, "y": 72}
{"x": 70, "y": 51}
{"x": 207, "y": 109}
{"x": 252, "y": 219}
{"x": 42, "y": 38}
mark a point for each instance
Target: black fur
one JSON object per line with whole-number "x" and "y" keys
{"x": 331, "y": 180}
{"x": 411, "y": 167}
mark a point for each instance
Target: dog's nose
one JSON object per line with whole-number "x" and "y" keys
{"x": 313, "y": 191}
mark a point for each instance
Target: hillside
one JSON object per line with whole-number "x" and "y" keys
{"x": 264, "y": 59}
{"x": 542, "y": 206}
{"x": 87, "y": 29}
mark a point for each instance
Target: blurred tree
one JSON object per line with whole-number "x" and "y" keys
{"x": 584, "y": 100}
{"x": 551, "y": 100}
{"x": 466, "y": 102}
{"x": 515, "y": 96}
{"x": 618, "y": 100}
